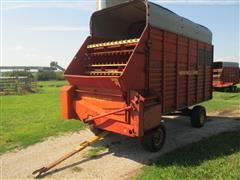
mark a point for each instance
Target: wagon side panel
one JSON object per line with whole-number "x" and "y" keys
{"x": 180, "y": 70}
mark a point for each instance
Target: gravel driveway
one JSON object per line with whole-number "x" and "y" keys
{"x": 122, "y": 159}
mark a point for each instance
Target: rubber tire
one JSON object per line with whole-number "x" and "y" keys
{"x": 198, "y": 116}
{"x": 148, "y": 141}
{"x": 95, "y": 130}
{"x": 234, "y": 88}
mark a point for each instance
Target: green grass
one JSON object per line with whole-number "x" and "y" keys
{"x": 223, "y": 101}
{"x": 94, "y": 152}
{"x": 217, "y": 157}
{"x": 77, "y": 169}
{"x": 31, "y": 118}
{"x": 28, "y": 119}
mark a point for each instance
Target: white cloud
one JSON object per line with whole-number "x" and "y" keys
{"x": 196, "y": 2}
{"x": 228, "y": 59}
{"x": 81, "y": 5}
{"x": 54, "y": 29}
{"x": 19, "y": 48}
{"x": 51, "y": 57}
{"x": 30, "y": 55}
{"x": 90, "y": 5}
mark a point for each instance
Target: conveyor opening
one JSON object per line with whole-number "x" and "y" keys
{"x": 125, "y": 21}
{"x": 115, "y": 32}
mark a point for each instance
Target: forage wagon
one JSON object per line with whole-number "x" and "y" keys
{"x": 226, "y": 75}
{"x": 140, "y": 61}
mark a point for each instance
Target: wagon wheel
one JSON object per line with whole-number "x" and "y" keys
{"x": 231, "y": 89}
{"x": 153, "y": 140}
{"x": 198, "y": 116}
{"x": 235, "y": 88}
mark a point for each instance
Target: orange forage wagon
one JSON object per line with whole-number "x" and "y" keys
{"x": 141, "y": 61}
{"x": 226, "y": 75}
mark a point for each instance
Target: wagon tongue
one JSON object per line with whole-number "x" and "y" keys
{"x": 40, "y": 172}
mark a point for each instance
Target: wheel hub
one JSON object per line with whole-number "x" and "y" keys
{"x": 158, "y": 137}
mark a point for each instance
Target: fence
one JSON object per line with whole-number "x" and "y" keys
{"x": 17, "y": 85}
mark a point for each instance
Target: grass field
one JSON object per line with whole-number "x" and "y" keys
{"x": 31, "y": 118}
{"x": 217, "y": 157}
{"x": 223, "y": 101}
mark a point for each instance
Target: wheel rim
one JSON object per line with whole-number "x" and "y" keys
{"x": 158, "y": 137}
{"x": 202, "y": 117}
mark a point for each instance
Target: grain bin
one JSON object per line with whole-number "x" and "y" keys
{"x": 140, "y": 61}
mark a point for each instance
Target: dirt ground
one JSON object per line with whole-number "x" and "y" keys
{"x": 235, "y": 114}
{"x": 122, "y": 159}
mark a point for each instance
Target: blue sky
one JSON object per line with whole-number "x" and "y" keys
{"x": 38, "y": 32}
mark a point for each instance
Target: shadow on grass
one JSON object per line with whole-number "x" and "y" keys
{"x": 227, "y": 89}
{"x": 207, "y": 149}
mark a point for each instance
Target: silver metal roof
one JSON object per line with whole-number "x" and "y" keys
{"x": 170, "y": 21}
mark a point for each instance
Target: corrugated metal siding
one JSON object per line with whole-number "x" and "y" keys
{"x": 230, "y": 74}
{"x": 226, "y": 72}
{"x": 180, "y": 70}
{"x": 167, "y": 20}
{"x": 155, "y": 64}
